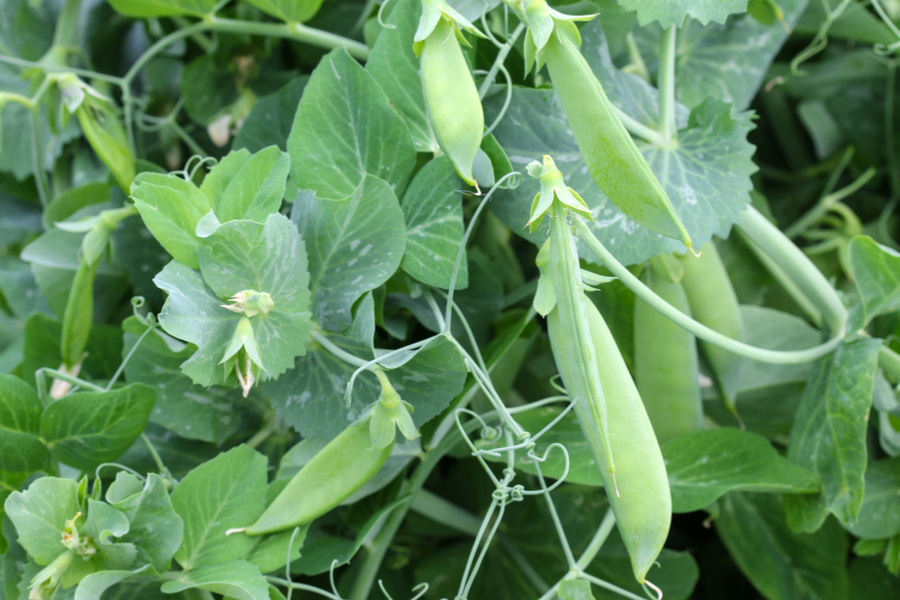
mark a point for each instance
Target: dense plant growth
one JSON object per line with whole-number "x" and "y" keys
{"x": 449, "y": 299}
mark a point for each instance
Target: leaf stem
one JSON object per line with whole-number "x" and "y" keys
{"x": 336, "y": 351}
{"x": 445, "y": 512}
{"x": 796, "y": 264}
{"x": 160, "y": 465}
{"x": 666, "y": 83}
{"x": 501, "y": 58}
{"x": 825, "y": 203}
{"x": 294, "y": 31}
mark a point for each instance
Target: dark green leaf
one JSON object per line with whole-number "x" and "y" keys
{"x": 20, "y": 421}
{"x": 269, "y": 122}
{"x": 876, "y": 272}
{"x": 879, "y": 516}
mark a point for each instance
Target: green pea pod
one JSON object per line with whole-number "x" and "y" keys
{"x": 79, "y": 314}
{"x": 643, "y": 504}
{"x": 454, "y": 106}
{"x": 343, "y": 466}
{"x": 614, "y": 160}
{"x": 665, "y": 361}
{"x": 714, "y": 304}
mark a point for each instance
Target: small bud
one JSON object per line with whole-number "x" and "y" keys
{"x": 250, "y": 303}
{"x": 553, "y": 187}
{"x": 389, "y": 412}
{"x": 243, "y": 355}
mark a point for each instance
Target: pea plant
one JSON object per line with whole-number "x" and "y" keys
{"x": 449, "y": 299}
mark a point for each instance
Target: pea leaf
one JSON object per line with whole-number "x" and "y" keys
{"x": 876, "y": 272}
{"x": 289, "y": 11}
{"x": 829, "y": 434}
{"x": 154, "y": 528}
{"x": 26, "y": 30}
{"x": 163, "y": 8}
{"x": 21, "y": 450}
{"x": 432, "y": 208}
{"x": 781, "y": 564}
{"x": 270, "y": 119}
{"x": 706, "y": 173}
{"x": 226, "y": 492}
{"x": 674, "y": 12}
{"x": 247, "y": 186}
{"x": 85, "y": 429}
{"x": 727, "y": 61}
{"x": 879, "y": 515}
{"x": 40, "y": 514}
{"x": 94, "y": 585}
{"x": 236, "y": 579}
{"x": 354, "y": 245}
{"x": 345, "y": 128}
{"x": 181, "y": 406}
{"x": 395, "y": 66}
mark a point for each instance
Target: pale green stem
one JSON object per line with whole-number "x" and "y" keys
{"x": 637, "y": 65}
{"x": 445, "y": 512}
{"x": 501, "y": 58}
{"x": 648, "y": 134}
{"x": 594, "y": 546}
{"x": 666, "y": 83}
{"x": 160, "y": 465}
{"x": 705, "y": 333}
{"x": 337, "y": 351}
{"x": 301, "y": 586}
{"x": 813, "y": 215}
{"x": 66, "y": 34}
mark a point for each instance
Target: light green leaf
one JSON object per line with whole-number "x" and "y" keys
{"x": 236, "y": 579}
{"x": 725, "y": 61}
{"x": 154, "y": 528}
{"x": 345, "y": 127}
{"x": 354, "y": 245}
{"x": 171, "y": 208}
{"x": 162, "y": 8}
{"x": 85, "y": 429}
{"x": 245, "y": 186}
{"x": 26, "y": 30}
{"x": 20, "y": 425}
{"x": 289, "y": 11}
{"x": 396, "y": 67}
{"x": 674, "y": 12}
{"x": 189, "y": 410}
{"x": 226, "y": 492}
{"x": 829, "y": 434}
{"x": 879, "y": 516}
{"x": 781, "y": 564}
{"x": 40, "y": 514}
{"x": 706, "y": 172}
{"x": 876, "y": 272}
{"x": 270, "y": 119}
{"x": 271, "y": 553}
{"x": 575, "y": 589}
{"x": 72, "y": 200}
{"x": 432, "y": 208}
{"x": 103, "y": 524}
{"x": 704, "y": 465}
{"x": 94, "y": 585}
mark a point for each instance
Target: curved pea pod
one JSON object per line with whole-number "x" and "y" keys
{"x": 454, "y": 106}
{"x": 643, "y": 505}
{"x": 614, "y": 160}
{"x": 341, "y": 468}
{"x": 714, "y": 303}
{"x": 665, "y": 362}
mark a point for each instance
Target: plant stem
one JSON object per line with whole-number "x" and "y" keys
{"x": 336, "y": 351}
{"x": 160, "y": 465}
{"x": 445, "y": 512}
{"x": 634, "y": 127}
{"x": 801, "y": 268}
{"x": 590, "y": 552}
{"x": 66, "y": 34}
{"x": 295, "y": 31}
{"x": 501, "y": 57}
{"x": 666, "y": 83}
{"x": 825, "y": 203}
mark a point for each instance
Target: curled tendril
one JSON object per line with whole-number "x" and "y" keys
{"x": 334, "y": 564}
{"x": 556, "y": 385}
{"x": 119, "y": 466}
{"x": 386, "y": 26}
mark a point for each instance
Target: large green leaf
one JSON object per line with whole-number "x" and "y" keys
{"x": 705, "y": 171}
{"x": 725, "y": 61}
{"x": 876, "y": 272}
{"x": 270, "y": 119}
{"x": 94, "y": 585}
{"x": 247, "y": 186}
{"x": 781, "y": 564}
{"x": 26, "y": 29}
{"x": 879, "y": 516}
{"x": 354, "y": 245}
{"x": 154, "y": 528}
{"x": 162, "y": 8}
{"x": 432, "y": 208}
{"x": 20, "y": 426}
{"x": 236, "y": 579}
{"x": 289, "y": 11}
{"x": 396, "y": 67}
{"x": 227, "y": 492}
{"x": 345, "y": 127}
{"x": 89, "y": 428}
{"x": 40, "y": 514}
{"x": 191, "y": 411}
{"x": 829, "y": 434}
{"x": 674, "y": 12}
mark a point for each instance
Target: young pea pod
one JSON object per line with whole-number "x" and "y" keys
{"x": 454, "y": 106}
{"x": 643, "y": 504}
{"x": 614, "y": 160}
{"x": 341, "y": 468}
{"x": 665, "y": 359}
{"x": 714, "y": 303}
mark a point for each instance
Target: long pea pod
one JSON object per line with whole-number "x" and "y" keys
{"x": 341, "y": 468}
{"x": 714, "y": 304}
{"x": 665, "y": 360}
{"x": 612, "y": 157}
{"x": 451, "y": 97}
{"x": 643, "y": 504}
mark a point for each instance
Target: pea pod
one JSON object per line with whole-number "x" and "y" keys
{"x": 454, "y": 106}
{"x": 341, "y": 468}
{"x": 665, "y": 360}
{"x": 714, "y": 304}
{"x": 643, "y": 504}
{"x": 612, "y": 157}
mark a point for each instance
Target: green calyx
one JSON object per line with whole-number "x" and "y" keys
{"x": 389, "y": 413}
{"x": 553, "y": 187}
{"x": 250, "y": 303}
{"x": 542, "y": 21}
{"x": 435, "y": 10}
{"x": 243, "y": 356}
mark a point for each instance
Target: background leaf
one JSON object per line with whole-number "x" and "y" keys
{"x": 269, "y": 122}
{"x": 674, "y": 12}
{"x": 20, "y": 426}
{"x": 876, "y": 272}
